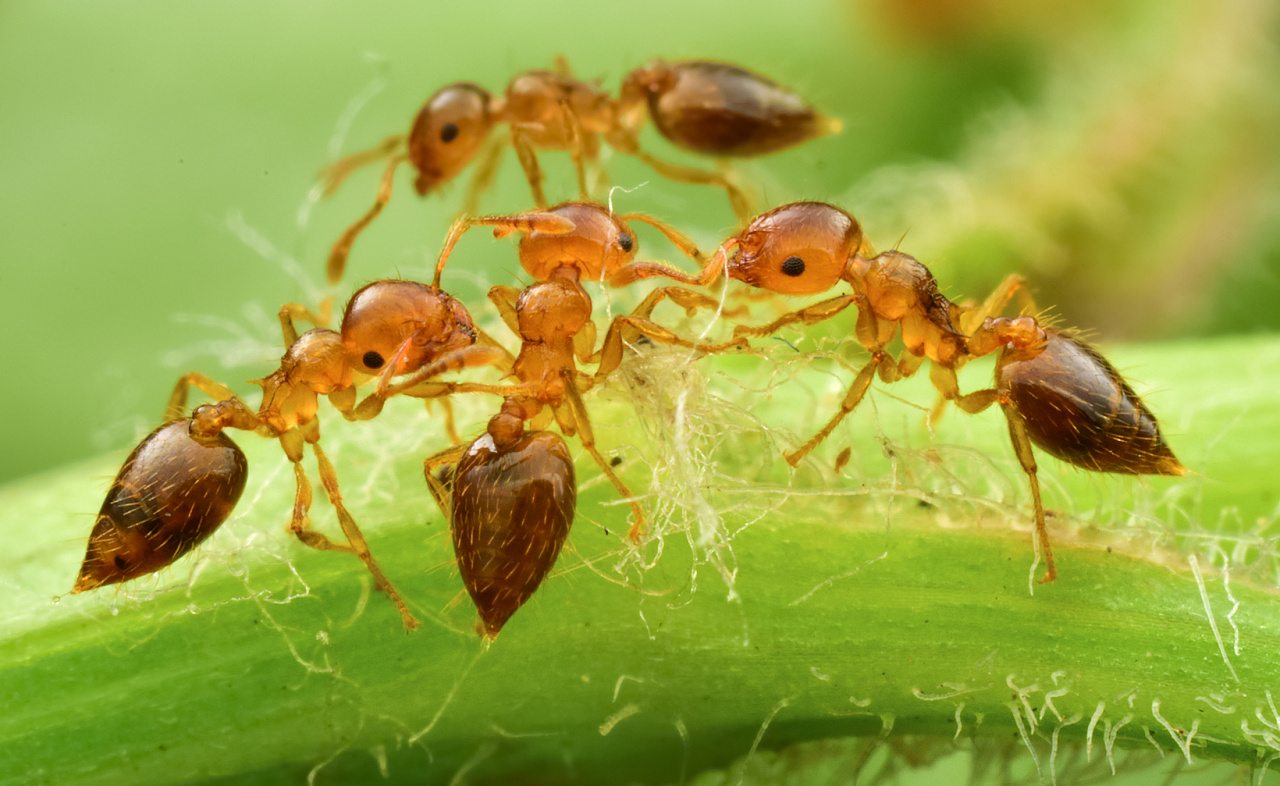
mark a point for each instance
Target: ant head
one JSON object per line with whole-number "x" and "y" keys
{"x": 797, "y": 249}
{"x": 448, "y": 133}
{"x": 405, "y": 322}
{"x": 599, "y": 245}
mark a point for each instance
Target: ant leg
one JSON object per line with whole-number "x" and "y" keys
{"x": 1013, "y": 284}
{"x": 584, "y": 343}
{"x": 711, "y": 269}
{"x": 685, "y": 174}
{"x": 435, "y": 484}
{"x": 980, "y": 400}
{"x": 450, "y": 426}
{"x": 330, "y": 480}
{"x": 504, "y": 299}
{"x": 687, "y": 299}
{"x": 1022, "y": 448}
{"x": 336, "y": 173}
{"x": 611, "y": 350}
{"x": 560, "y": 65}
{"x": 577, "y": 148}
{"x": 994, "y": 333}
{"x": 483, "y": 339}
{"x": 874, "y": 334}
{"x": 342, "y": 249}
{"x": 291, "y": 312}
{"x": 997, "y": 332}
{"x": 178, "y": 398}
{"x": 599, "y": 178}
{"x": 879, "y": 359}
{"x": 529, "y": 162}
{"x": 908, "y": 365}
{"x": 809, "y": 315}
{"x": 486, "y": 171}
{"x": 587, "y": 436}
{"x": 293, "y": 442}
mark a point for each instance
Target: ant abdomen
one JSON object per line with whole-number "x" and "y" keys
{"x": 173, "y": 491}
{"x": 724, "y": 110}
{"x": 512, "y": 509}
{"x": 1077, "y": 407}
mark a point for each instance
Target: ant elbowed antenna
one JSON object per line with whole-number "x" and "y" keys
{"x": 184, "y": 479}
{"x": 709, "y": 108}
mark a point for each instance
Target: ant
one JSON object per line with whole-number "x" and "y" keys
{"x": 1056, "y": 391}
{"x": 709, "y": 108}
{"x": 514, "y": 492}
{"x": 184, "y": 479}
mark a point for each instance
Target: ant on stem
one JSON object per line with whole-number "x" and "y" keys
{"x": 184, "y": 479}
{"x": 1056, "y": 391}
{"x": 710, "y": 108}
{"x": 514, "y": 493}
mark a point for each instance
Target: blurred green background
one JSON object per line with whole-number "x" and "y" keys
{"x": 157, "y": 158}
{"x": 1122, "y": 155}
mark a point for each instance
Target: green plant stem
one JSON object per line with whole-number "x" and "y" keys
{"x": 845, "y": 615}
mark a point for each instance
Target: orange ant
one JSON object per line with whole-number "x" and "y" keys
{"x": 514, "y": 492}
{"x": 184, "y": 479}
{"x": 1056, "y": 391}
{"x": 710, "y": 108}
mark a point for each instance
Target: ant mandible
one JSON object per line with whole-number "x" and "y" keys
{"x": 1056, "y": 391}
{"x": 709, "y": 108}
{"x": 184, "y": 479}
{"x": 514, "y": 491}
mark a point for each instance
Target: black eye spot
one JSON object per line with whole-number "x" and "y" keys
{"x": 626, "y": 242}
{"x": 449, "y": 132}
{"x": 793, "y": 266}
{"x": 373, "y": 360}
{"x": 121, "y": 563}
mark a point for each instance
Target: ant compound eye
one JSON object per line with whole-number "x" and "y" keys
{"x": 373, "y": 360}
{"x": 625, "y": 241}
{"x": 121, "y": 563}
{"x": 449, "y": 132}
{"x": 793, "y": 266}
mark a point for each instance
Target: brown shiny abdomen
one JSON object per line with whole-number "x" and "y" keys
{"x": 1077, "y": 407}
{"x": 720, "y": 109}
{"x": 512, "y": 509}
{"x": 173, "y": 491}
